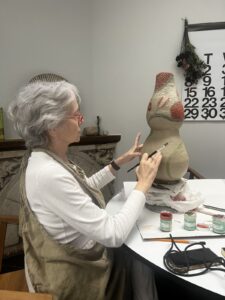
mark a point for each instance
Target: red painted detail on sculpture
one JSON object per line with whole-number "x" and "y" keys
{"x": 149, "y": 106}
{"x": 162, "y": 79}
{"x": 177, "y": 111}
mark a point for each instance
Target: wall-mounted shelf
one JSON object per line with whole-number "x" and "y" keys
{"x": 18, "y": 144}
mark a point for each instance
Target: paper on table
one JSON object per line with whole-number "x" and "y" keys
{"x": 149, "y": 226}
{"x": 149, "y": 222}
{"x": 213, "y": 191}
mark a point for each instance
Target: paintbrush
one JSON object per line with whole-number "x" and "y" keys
{"x": 169, "y": 240}
{"x": 150, "y": 155}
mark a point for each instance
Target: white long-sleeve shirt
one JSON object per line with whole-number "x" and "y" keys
{"x": 68, "y": 214}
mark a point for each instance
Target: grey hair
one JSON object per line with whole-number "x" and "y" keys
{"x": 41, "y": 106}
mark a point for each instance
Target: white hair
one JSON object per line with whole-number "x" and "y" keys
{"x": 41, "y": 106}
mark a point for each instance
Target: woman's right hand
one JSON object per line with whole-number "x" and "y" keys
{"x": 147, "y": 171}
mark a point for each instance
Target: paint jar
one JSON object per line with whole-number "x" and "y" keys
{"x": 166, "y": 220}
{"x": 190, "y": 220}
{"x": 218, "y": 224}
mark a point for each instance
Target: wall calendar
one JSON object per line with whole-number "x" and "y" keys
{"x": 205, "y": 101}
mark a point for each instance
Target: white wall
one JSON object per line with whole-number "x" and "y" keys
{"x": 112, "y": 50}
{"x": 133, "y": 40}
{"x": 44, "y": 36}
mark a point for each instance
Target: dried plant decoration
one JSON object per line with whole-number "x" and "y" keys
{"x": 188, "y": 59}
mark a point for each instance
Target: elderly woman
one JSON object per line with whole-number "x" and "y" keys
{"x": 66, "y": 231}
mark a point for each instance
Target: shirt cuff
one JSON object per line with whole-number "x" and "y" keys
{"x": 109, "y": 173}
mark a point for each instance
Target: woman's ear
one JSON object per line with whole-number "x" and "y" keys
{"x": 52, "y": 132}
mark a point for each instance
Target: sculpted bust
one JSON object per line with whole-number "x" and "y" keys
{"x": 165, "y": 115}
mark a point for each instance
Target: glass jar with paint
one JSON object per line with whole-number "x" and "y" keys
{"x": 166, "y": 221}
{"x": 190, "y": 220}
{"x": 218, "y": 224}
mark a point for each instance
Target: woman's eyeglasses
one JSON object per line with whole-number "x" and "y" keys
{"x": 78, "y": 116}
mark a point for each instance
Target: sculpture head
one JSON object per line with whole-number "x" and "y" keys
{"x": 165, "y": 102}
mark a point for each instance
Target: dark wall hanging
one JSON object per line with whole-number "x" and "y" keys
{"x": 202, "y": 58}
{"x": 188, "y": 59}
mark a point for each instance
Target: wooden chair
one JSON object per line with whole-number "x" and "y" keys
{"x": 15, "y": 280}
{"x": 12, "y": 295}
{"x": 13, "y": 285}
{"x": 193, "y": 174}
{"x": 4, "y": 221}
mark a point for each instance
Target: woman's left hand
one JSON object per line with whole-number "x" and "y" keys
{"x": 134, "y": 151}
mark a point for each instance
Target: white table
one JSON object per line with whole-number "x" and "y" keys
{"x": 213, "y": 191}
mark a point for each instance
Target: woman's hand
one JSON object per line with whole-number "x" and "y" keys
{"x": 147, "y": 171}
{"x": 134, "y": 151}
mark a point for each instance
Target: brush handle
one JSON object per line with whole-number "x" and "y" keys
{"x": 150, "y": 155}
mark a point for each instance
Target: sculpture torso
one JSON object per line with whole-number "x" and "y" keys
{"x": 165, "y": 116}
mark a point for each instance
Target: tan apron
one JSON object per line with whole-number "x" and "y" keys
{"x": 60, "y": 269}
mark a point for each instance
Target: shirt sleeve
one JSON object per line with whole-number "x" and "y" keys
{"x": 64, "y": 196}
{"x": 101, "y": 178}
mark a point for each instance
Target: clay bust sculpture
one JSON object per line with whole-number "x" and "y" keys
{"x": 165, "y": 115}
